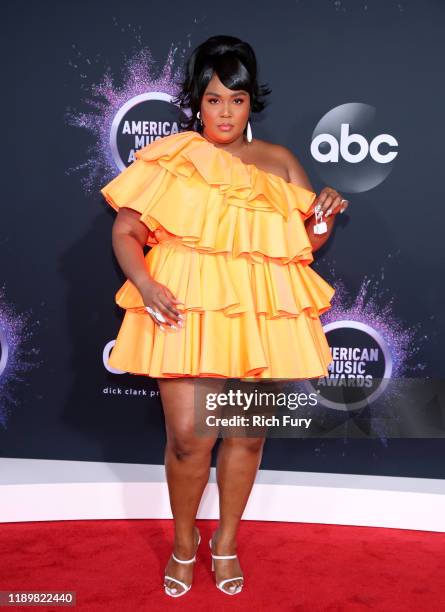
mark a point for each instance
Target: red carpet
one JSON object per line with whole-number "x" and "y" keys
{"x": 117, "y": 565}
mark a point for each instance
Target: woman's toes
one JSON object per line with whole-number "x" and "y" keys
{"x": 173, "y": 588}
{"x": 232, "y": 586}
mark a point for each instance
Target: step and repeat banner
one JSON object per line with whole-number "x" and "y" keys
{"x": 356, "y": 95}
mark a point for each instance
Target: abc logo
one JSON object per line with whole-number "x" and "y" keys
{"x": 346, "y": 139}
{"x": 350, "y": 150}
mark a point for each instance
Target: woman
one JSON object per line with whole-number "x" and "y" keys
{"x": 226, "y": 292}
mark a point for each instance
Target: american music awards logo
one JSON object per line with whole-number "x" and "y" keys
{"x": 126, "y": 117}
{"x": 142, "y": 119}
{"x": 361, "y": 367}
{"x": 370, "y": 346}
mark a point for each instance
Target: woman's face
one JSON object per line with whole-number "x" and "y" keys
{"x": 221, "y": 107}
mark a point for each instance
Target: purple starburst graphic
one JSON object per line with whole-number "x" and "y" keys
{"x": 374, "y": 306}
{"x": 16, "y": 358}
{"x": 106, "y": 98}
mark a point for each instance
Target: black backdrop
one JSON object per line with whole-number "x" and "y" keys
{"x": 58, "y": 272}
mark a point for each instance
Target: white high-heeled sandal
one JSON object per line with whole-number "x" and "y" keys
{"x": 185, "y": 587}
{"x": 221, "y": 584}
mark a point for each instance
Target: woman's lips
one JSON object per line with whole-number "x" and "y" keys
{"x": 225, "y": 127}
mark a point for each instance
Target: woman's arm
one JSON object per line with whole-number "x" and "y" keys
{"x": 298, "y": 176}
{"x": 129, "y": 235}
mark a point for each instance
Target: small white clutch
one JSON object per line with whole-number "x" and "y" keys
{"x": 320, "y": 227}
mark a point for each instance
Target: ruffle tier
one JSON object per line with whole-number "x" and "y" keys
{"x": 231, "y": 244}
{"x": 226, "y": 206}
{"x": 233, "y": 285}
{"x": 214, "y": 345}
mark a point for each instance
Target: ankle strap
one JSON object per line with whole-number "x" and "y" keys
{"x": 224, "y": 556}
{"x": 181, "y": 561}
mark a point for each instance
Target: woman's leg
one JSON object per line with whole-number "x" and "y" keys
{"x": 238, "y": 460}
{"x": 187, "y": 464}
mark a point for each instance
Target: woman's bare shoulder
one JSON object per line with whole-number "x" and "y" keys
{"x": 268, "y": 156}
{"x": 283, "y": 158}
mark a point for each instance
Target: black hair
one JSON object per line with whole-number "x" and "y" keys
{"x": 234, "y": 61}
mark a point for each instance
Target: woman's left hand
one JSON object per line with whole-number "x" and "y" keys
{"x": 331, "y": 202}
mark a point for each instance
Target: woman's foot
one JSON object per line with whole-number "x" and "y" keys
{"x": 181, "y": 571}
{"x": 226, "y": 568}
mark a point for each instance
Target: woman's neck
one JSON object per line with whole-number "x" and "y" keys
{"x": 236, "y": 147}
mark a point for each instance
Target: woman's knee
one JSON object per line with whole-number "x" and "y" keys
{"x": 253, "y": 445}
{"x": 186, "y": 445}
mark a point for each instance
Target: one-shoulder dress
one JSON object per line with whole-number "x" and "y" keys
{"x": 228, "y": 239}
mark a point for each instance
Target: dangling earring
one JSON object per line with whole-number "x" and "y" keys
{"x": 249, "y": 132}
{"x": 198, "y": 116}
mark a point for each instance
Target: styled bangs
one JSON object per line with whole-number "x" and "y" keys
{"x": 231, "y": 72}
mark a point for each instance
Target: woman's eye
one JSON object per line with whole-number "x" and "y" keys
{"x": 216, "y": 100}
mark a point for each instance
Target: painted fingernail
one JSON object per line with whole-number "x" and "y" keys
{"x": 328, "y": 213}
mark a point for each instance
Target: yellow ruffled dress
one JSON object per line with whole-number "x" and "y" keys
{"x": 228, "y": 240}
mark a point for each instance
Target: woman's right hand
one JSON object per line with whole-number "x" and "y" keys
{"x": 159, "y": 297}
